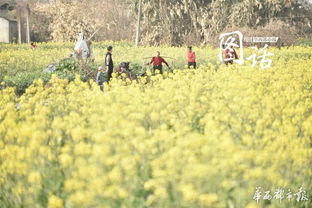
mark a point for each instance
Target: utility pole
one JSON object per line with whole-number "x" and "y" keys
{"x": 19, "y": 28}
{"x": 138, "y": 31}
{"x": 27, "y": 23}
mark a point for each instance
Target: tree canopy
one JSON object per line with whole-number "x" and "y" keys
{"x": 172, "y": 22}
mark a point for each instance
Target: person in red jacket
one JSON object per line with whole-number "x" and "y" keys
{"x": 157, "y": 63}
{"x": 191, "y": 58}
{"x": 230, "y": 54}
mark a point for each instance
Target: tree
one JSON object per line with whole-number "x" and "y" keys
{"x": 68, "y": 18}
{"x": 173, "y": 21}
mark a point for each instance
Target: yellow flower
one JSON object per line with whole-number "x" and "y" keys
{"x": 160, "y": 141}
{"x": 208, "y": 200}
{"x": 55, "y": 202}
{"x": 34, "y": 178}
{"x": 66, "y": 160}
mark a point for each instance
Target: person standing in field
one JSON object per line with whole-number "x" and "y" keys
{"x": 33, "y": 46}
{"x": 157, "y": 63}
{"x": 109, "y": 63}
{"x": 100, "y": 78}
{"x": 230, "y": 54}
{"x": 191, "y": 58}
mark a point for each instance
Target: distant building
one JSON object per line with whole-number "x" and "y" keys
{"x": 14, "y": 21}
{"x": 8, "y": 30}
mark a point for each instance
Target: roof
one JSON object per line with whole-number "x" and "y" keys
{"x": 7, "y": 5}
{"x": 10, "y": 20}
{"x": 7, "y": 1}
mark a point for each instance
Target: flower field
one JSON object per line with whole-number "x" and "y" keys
{"x": 191, "y": 138}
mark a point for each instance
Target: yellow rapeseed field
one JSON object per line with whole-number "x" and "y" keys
{"x": 192, "y": 138}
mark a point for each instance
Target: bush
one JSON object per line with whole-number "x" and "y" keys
{"x": 304, "y": 41}
{"x": 66, "y": 69}
{"x": 67, "y": 64}
{"x": 23, "y": 80}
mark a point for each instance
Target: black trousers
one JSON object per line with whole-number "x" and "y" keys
{"x": 228, "y": 62}
{"x": 101, "y": 87}
{"x": 192, "y": 64}
{"x": 159, "y": 68}
{"x": 109, "y": 73}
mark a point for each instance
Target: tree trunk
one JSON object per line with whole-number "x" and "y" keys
{"x": 137, "y": 38}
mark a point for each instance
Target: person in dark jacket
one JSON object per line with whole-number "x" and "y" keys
{"x": 100, "y": 78}
{"x": 109, "y": 63}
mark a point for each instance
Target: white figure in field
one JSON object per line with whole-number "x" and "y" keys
{"x": 81, "y": 47}
{"x": 227, "y": 53}
{"x": 83, "y": 50}
{"x": 264, "y": 62}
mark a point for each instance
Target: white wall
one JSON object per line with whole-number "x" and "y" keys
{"x": 4, "y": 30}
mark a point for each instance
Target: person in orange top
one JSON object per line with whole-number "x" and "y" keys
{"x": 191, "y": 58}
